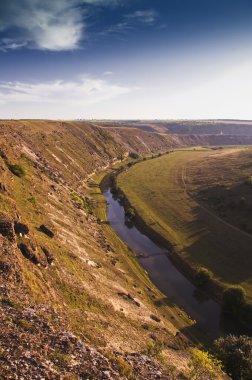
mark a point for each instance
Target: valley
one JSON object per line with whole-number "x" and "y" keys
{"x": 63, "y": 267}
{"x": 197, "y": 204}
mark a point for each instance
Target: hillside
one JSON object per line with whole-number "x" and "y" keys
{"x": 198, "y": 203}
{"x": 221, "y": 130}
{"x": 74, "y": 302}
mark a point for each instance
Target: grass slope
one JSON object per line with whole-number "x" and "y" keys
{"x": 163, "y": 192}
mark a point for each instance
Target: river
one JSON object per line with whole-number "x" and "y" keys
{"x": 162, "y": 272}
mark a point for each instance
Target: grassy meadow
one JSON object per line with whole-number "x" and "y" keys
{"x": 173, "y": 194}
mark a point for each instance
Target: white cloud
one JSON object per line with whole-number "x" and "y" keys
{"x": 58, "y": 25}
{"x": 84, "y": 92}
{"x": 43, "y": 24}
{"x": 46, "y": 24}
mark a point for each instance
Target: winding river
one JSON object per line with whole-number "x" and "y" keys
{"x": 172, "y": 283}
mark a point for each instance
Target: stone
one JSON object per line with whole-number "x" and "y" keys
{"x": 46, "y": 230}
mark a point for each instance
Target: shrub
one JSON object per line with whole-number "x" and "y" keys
{"x": 204, "y": 366}
{"x": 16, "y": 169}
{"x": 203, "y": 277}
{"x": 60, "y": 359}
{"x": 133, "y": 155}
{"x": 130, "y": 213}
{"x": 120, "y": 365}
{"x": 155, "y": 348}
{"x": 233, "y": 300}
{"x": 236, "y": 355}
{"x": 83, "y": 203}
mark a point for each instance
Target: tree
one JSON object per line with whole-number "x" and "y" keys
{"x": 234, "y": 299}
{"x": 203, "y": 277}
{"x": 236, "y": 355}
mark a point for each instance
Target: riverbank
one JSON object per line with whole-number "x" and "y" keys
{"x": 178, "y": 318}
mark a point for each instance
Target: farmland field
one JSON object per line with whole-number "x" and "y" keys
{"x": 200, "y": 201}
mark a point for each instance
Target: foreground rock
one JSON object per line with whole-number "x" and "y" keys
{"x": 31, "y": 348}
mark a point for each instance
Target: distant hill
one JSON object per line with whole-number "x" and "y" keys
{"x": 191, "y": 127}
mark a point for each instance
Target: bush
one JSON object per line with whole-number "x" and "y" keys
{"x": 236, "y": 355}
{"x": 130, "y": 213}
{"x": 233, "y": 300}
{"x": 16, "y": 170}
{"x": 120, "y": 365}
{"x": 204, "y": 366}
{"x": 155, "y": 348}
{"x": 203, "y": 277}
{"x": 133, "y": 155}
{"x": 59, "y": 358}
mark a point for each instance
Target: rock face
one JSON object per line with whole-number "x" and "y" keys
{"x": 7, "y": 228}
{"x": 43, "y": 350}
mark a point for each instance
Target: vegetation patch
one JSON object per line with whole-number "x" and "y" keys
{"x": 234, "y": 298}
{"x": 59, "y": 358}
{"x": 16, "y": 169}
{"x": 235, "y": 352}
{"x": 204, "y": 366}
{"x": 155, "y": 349}
{"x": 121, "y": 366}
{"x": 203, "y": 277}
{"x": 83, "y": 203}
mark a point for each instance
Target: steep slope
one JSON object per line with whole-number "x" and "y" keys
{"x": 64, "y": 286}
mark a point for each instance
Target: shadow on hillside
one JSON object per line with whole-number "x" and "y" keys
{"x": 223, "y": 249}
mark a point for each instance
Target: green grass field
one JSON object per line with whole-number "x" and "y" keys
{"x": 167, "y": 193}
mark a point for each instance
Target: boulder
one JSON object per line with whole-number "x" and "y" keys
{"x": 46, "y": 230}
{"x": 7, "y": 228}
{"x": 29, "y": 253}
{"x": 21, "y": 228}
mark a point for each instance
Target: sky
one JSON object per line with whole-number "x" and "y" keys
{"x": 126, "y": 59}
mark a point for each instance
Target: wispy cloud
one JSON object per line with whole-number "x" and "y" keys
{"x": 83, "y": 92}
{"x": 148, "y": 17}
{"x": 105, "y": 3}
{"x": 131, "y": 21}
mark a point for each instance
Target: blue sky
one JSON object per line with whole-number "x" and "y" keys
{"x": 126, "y": 59}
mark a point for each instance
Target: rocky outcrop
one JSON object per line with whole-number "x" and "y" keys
{"x": 48, "y": 255}
{"x": 46, "y": 230}
{"x": 21, "y": 228}
{"x": 47, "y": 350}
{"x": 29, "y": 253}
